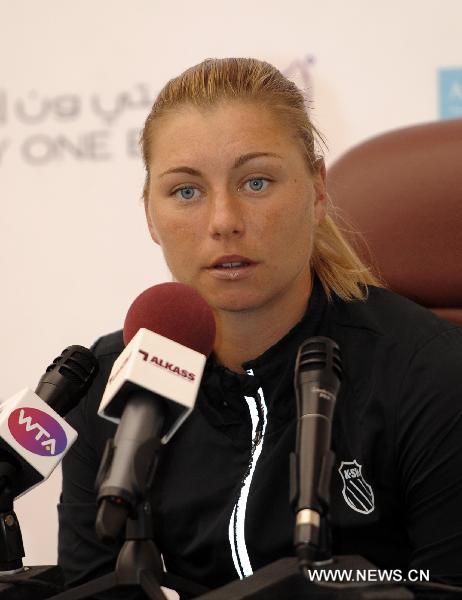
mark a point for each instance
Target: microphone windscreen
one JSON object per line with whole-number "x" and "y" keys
{"x": 175, "y": 311}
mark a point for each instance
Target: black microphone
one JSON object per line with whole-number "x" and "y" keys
{"x": 318, "y": 374}
{"x": 67, "y": 379}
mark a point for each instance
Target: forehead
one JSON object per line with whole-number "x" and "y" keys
{"x": 228, "y": 127}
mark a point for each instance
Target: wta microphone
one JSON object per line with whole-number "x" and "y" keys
{"x": 318, "y": 374}
{"x": 33, "y": 435}
{"x": 169, "y": 332}
{"x": 34, "y": 438}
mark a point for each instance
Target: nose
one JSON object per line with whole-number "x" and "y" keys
{"x": 226, "y": 217}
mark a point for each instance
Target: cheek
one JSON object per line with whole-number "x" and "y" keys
{"x": 294, "y": 239}
{"x": 178, "y": 239}
{"x": 292, "y": 221}
{"x": 170, "y": 227}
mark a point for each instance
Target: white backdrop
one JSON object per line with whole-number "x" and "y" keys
{"x": 76, "y": 81}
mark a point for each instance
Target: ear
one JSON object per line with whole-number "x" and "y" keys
{"x": 319, "y": 181}
{"x": 149, "y": 219}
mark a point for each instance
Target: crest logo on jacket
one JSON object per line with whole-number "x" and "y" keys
{"x": 357, "y": 492}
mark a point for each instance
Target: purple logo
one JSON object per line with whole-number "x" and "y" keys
{"x": 37, "y": 431}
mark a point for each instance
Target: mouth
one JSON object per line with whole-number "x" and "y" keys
{"x": 231, "y": 262}
{"x": 232, "y": 267}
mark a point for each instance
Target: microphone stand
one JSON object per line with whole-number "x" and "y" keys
{"x": 11, "y": 544}
{"x": 125, "y": 482}
{"x": 17, "y": 581}
{"x": 138, "y": 564}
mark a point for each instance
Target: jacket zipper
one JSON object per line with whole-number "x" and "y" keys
{"x": 236, "y": 530}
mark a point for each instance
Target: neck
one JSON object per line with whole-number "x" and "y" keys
{"x": 245, "y": 335}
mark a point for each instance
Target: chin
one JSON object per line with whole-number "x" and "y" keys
{"x": 236, "y": 301}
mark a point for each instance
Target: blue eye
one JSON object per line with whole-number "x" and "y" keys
{"x": 257, "y": 184}
{"x": 187, "y": 193}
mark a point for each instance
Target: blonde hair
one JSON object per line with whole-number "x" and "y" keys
{"x": 214, "y": 80}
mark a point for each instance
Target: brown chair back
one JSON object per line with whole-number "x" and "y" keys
{"x": 403, "y": 191}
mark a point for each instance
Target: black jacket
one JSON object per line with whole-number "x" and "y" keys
{"x": 221, "y": 494}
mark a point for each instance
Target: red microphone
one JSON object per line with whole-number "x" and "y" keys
{"x": 169, "y": 332}
{"x": 175, "y": 311}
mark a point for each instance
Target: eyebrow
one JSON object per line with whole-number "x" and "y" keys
{"x": 238, "y": 163}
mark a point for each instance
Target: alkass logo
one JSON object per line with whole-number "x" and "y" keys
{"x": 37, "y": 431}
{"x": 165, "y": 364}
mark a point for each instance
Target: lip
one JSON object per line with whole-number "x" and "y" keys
{"x": 232, "y": 273}
{"x": 230, "y": 258}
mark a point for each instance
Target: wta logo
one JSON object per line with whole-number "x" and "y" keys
{"x": 37, "y": 431}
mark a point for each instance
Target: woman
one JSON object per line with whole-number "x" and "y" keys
{"x": 235, "y": 195}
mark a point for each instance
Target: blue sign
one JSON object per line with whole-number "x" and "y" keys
{"x": 450, "y": 93}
